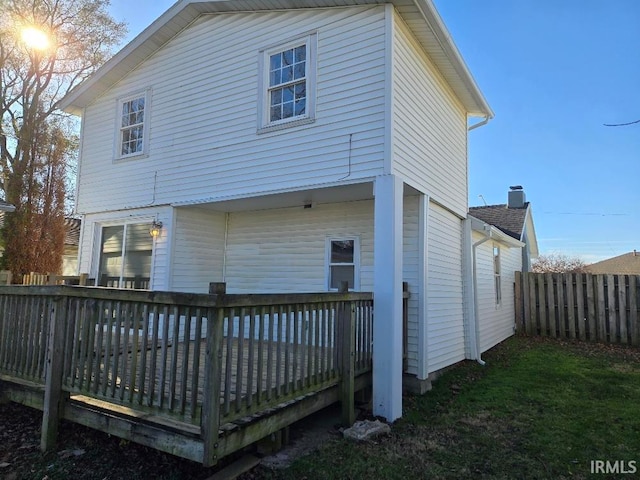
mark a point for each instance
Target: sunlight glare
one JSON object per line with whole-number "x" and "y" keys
{"x": 35, "y": 38}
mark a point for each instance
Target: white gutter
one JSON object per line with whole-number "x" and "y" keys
{"x": 480, "y": 123}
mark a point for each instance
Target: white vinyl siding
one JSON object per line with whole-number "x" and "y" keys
{"x": 429, "y": 126}
{"x": 204, "y": 93}
{"x": 445, "y": 302}
{"x": 284, "y": 250}
{"x": 496, "y": 321}
{"x": 198, "y": 257}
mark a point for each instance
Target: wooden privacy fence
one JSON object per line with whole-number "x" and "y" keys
{"x": 603, "y": 308}
{"x": 203, "y": 360}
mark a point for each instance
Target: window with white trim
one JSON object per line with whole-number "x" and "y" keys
{"x": 125, "y": 256}
{"x": 343, "y": 263}
{"x": 132, "y": 125}
{"x": 288, "y": 83}
{"x": 496, "y": 274}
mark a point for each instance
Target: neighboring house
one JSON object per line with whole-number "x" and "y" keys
{"x": 625, "y": 264}
{"x": 504, "y": 242}
{"x": 71, "y": 240}
{"x": 286, "y": 147}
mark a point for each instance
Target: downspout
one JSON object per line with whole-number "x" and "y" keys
{"x": 226, "y": 242}
{"x": 475, "y": 292}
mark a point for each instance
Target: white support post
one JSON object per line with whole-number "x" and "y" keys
{"x": 423, "y": 279}
{"x": 387, "y": 291}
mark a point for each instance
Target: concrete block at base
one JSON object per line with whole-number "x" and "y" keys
{"x": 412, "y": 384}
{"x": 366, "y": 430}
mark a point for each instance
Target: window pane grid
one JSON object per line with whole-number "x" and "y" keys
{"x": 132, "y": 126}
{"x": 288, "y": 84}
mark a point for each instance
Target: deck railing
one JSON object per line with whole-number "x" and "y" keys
{"x": 208, "y": 360}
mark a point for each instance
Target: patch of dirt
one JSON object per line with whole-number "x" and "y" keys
{"x": 81, "y": 453}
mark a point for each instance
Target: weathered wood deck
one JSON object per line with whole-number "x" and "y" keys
{"x": 199, "y": 376}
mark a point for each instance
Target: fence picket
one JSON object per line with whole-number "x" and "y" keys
{"x": 634, "y": 317}
{"x": 580, "y": 300}
{"x": 611, "y": 310}
{"x": 571, "y": 307}
{"x": 622, "y": 307}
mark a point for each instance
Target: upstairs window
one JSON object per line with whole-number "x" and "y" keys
{"x": 288, "y": 89}
{"x": 132, "y": 126}
{"x": 343, "y": 263}
{"x": 496, "y": 274}
{"x": 288, "y": 84}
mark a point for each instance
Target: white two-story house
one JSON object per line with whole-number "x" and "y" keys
{"x": 287, "y": 146}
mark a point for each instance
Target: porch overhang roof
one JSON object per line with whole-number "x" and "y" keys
{"x": 420, "y": 15}
{"x": 494, "y": 233}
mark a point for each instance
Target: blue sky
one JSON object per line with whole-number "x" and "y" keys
{"x": 554, "y": 72}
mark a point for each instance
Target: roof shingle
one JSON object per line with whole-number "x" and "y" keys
{"x": 509, "y": 220}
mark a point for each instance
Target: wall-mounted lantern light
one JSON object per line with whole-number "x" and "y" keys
{"x": 155, "y": 229}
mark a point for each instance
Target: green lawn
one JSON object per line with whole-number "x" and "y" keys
{"x": 538, "y": 409}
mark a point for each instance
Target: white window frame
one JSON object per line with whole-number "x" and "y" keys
{"x": 146, "y": 94}
{"x": 356, "y": 261}
{"x": 97, "y": 246}
{"x": 264, "y": 98}
{"x": 496, "y": 256}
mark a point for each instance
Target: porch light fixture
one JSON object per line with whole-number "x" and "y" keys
{"x": 155, "y": 229}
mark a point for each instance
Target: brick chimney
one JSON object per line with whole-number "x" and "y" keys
{"x": 517, "y": 198}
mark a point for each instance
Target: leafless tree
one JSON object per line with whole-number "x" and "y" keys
{"x": 47, "y": 47}
{"x": 558, "y": 263}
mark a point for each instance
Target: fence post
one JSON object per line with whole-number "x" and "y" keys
{"x": 347, "y": 381}
{"x": 210, "y": 422}
{"x": 217, "y": 288}
{"x": 82, "y": 280}
{"x": 53, "y": 373}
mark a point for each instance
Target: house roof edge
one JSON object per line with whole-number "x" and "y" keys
{"x": 182, "y": 13}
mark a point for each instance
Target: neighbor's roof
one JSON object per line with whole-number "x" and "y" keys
{"x": 72, "y": 231}
{"x": 510, "y": 220}
{"x": 625, "y": 264}
{"x": 420, "y": 15}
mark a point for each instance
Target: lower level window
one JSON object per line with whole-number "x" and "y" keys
{"x": 496, "y": 274}
{"x": 343, "y": 257}
{"x": 125, "y": 256}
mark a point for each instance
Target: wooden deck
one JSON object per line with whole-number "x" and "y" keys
{"x": 199, "y": 376}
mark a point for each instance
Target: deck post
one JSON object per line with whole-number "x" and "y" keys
{"x": 217, "y": 288}
{"x": 347, "y": 323}
{"x": 210, "y": 421}
{"x": 53, "y": 373}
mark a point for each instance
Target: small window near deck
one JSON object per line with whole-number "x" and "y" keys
{"x": 343, "y": 265}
